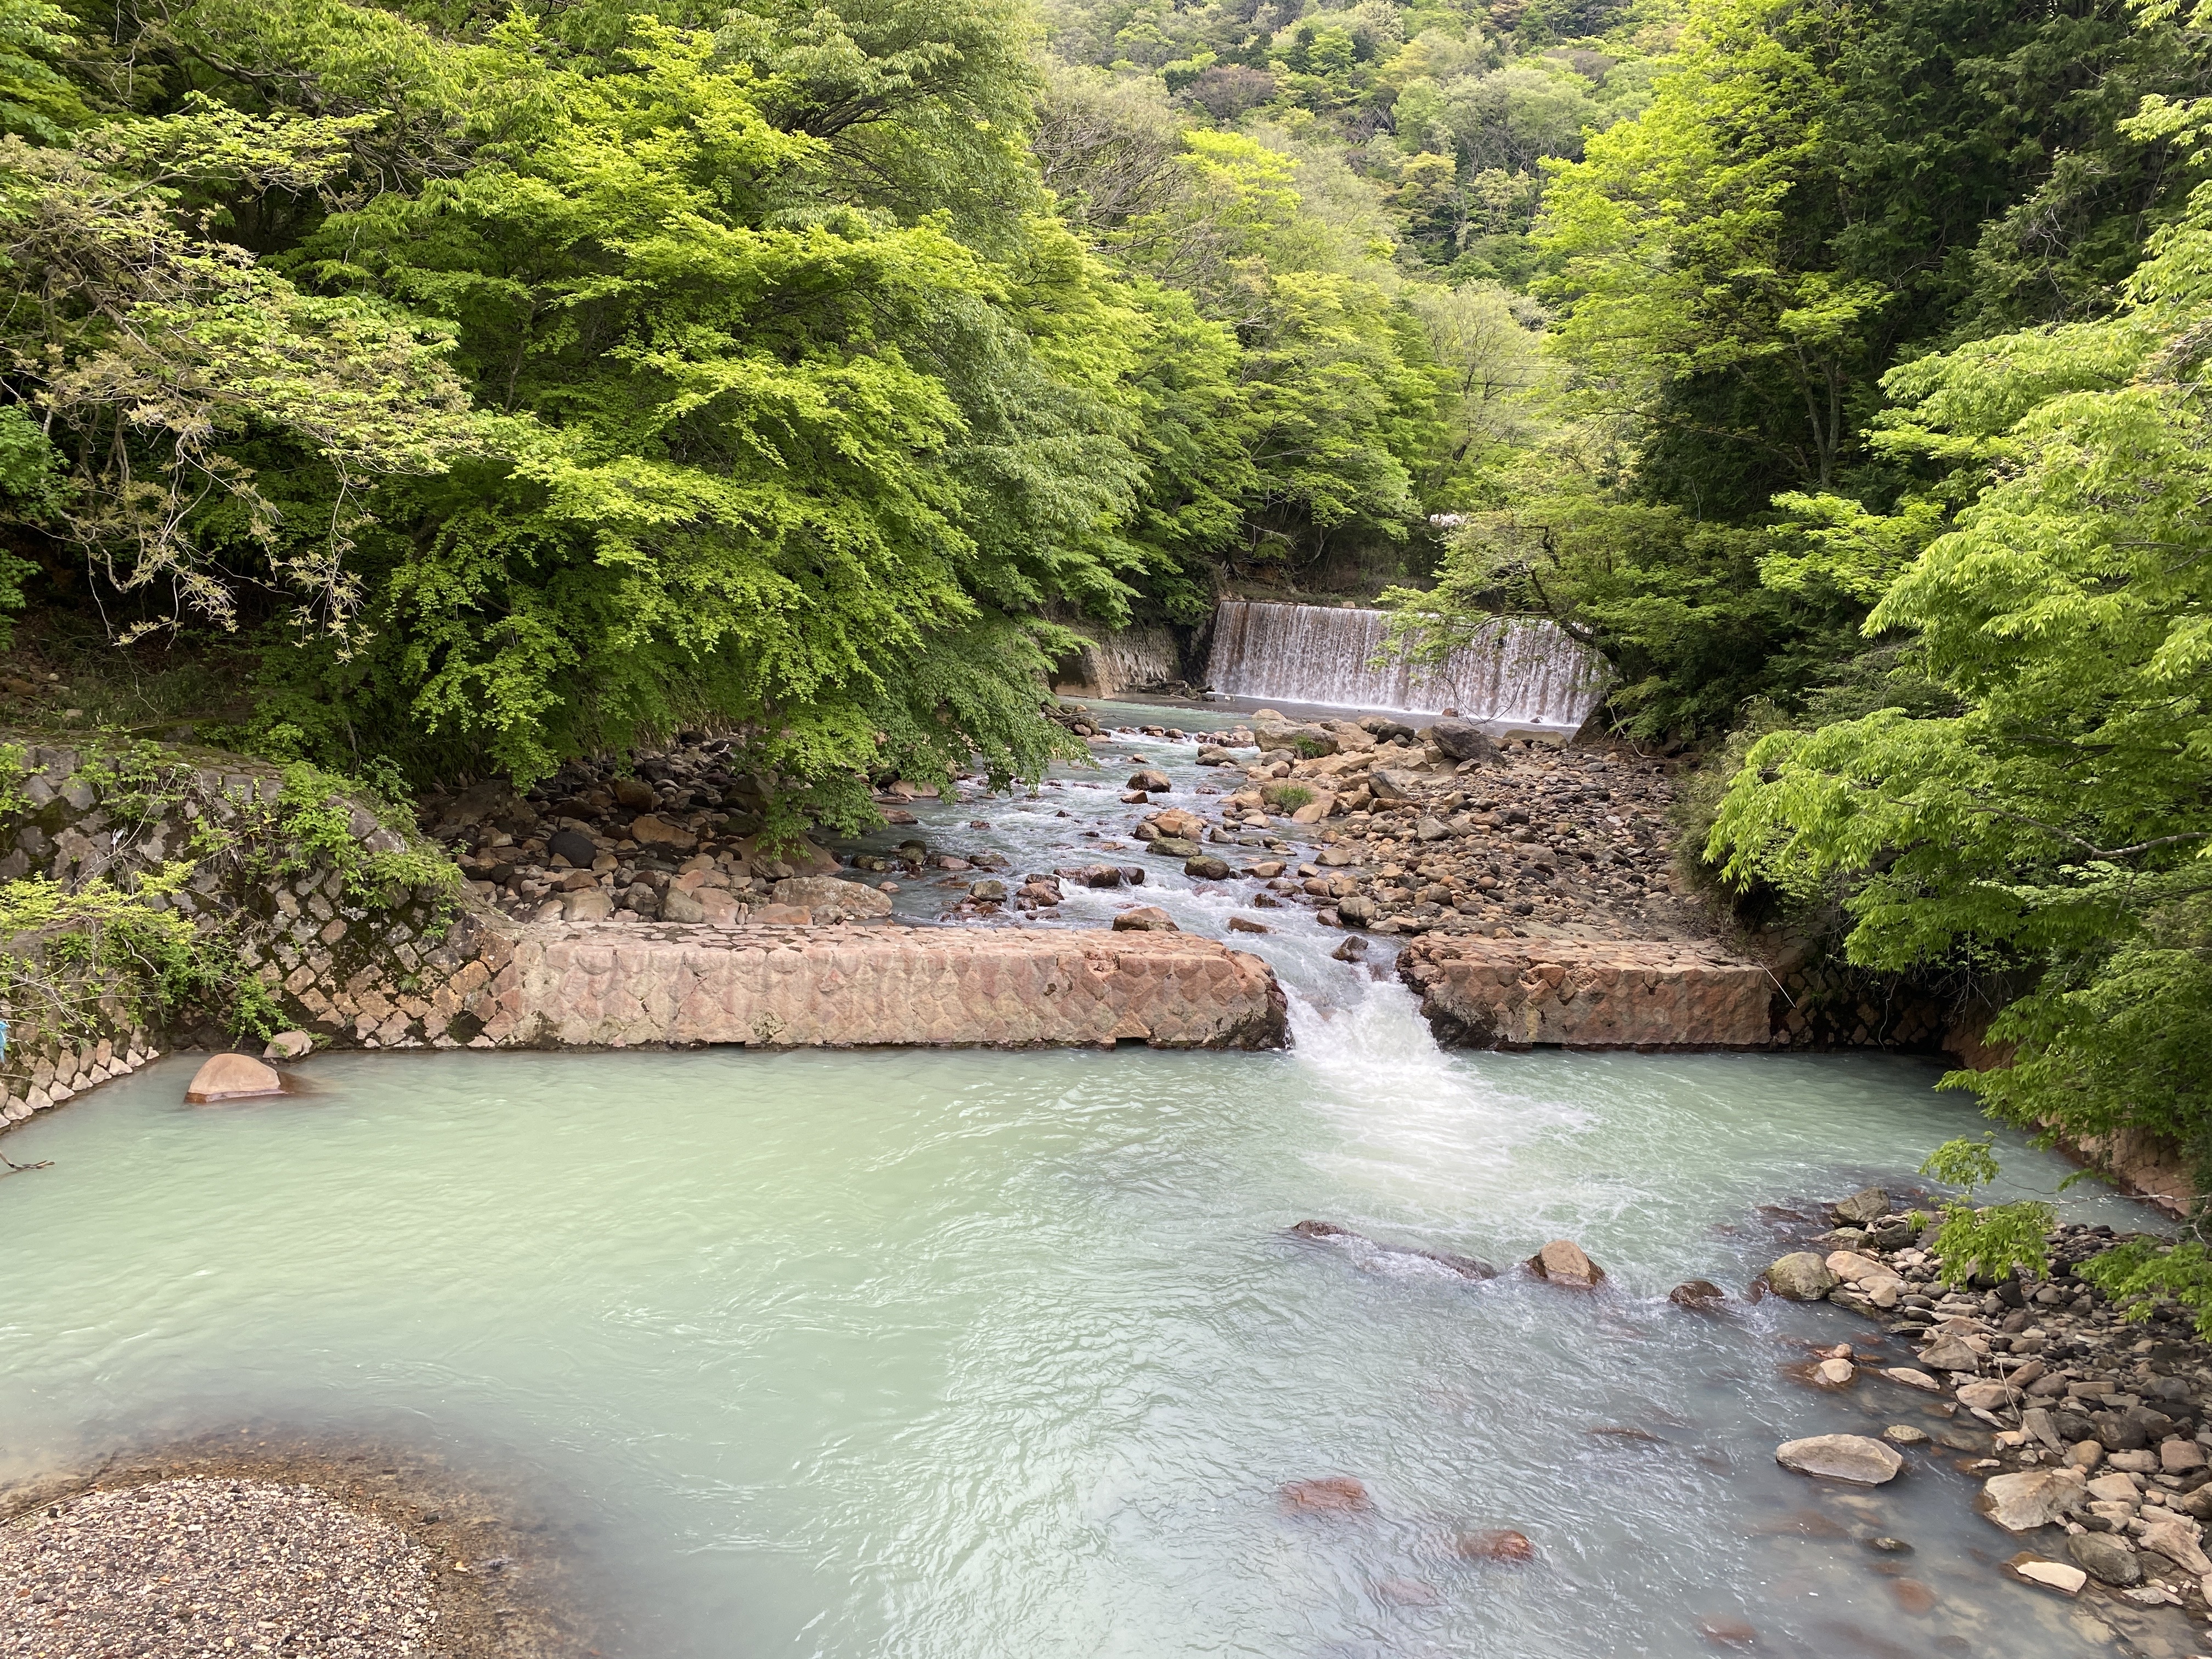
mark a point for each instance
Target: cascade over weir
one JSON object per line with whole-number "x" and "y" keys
{"x": 1516, "y": 671}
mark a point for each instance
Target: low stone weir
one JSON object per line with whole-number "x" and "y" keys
{"x": 1519, "y": 670}
{"x": 1578, "y": 993}
{"x": 837, "y": 987}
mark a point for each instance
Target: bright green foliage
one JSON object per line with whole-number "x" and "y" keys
{"x": 1991, "y": 1240}
{"x": 2139, "y": 1274}
{"x": 37, "y": 100}
{"x": 2056, "y": 825}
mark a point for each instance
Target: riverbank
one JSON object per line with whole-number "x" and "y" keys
{"x": 267, "y": 1540}
{"x": 2090, "y": 1433}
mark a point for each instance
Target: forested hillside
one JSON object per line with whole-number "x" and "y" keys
{"x": 462, "y": 390}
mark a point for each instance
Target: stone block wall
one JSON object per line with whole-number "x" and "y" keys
{"x": 1826, "y": 1005}
{"x": 387, "y": 969}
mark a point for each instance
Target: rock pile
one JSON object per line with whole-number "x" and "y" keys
{"x": 2102, "y": 1427}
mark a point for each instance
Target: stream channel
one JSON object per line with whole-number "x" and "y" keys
{"x": 956, "y": 1355}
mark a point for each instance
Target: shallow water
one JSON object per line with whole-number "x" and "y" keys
{"x": 989, "y": 1356}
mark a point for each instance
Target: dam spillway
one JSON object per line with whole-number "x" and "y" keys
{"x": 1522, "y": 670}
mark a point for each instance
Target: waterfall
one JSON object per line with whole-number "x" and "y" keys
{"x": 1519, "y": 670}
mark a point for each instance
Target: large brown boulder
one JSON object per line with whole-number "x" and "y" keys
{"x": 1562, "y": 1262}
{"x": 232, "y": 1076}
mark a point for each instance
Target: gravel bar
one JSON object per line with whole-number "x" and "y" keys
{"x": 205, "y": 1566}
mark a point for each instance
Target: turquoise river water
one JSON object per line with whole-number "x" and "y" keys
{"x": 1003, "y": 1355}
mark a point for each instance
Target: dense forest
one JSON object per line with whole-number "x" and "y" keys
{"x": 462, "y": 390}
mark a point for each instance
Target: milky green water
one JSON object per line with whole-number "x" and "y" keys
{"x": 985, "y": 1356}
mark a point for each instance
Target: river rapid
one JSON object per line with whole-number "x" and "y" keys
{"x": 990, "y": 1356}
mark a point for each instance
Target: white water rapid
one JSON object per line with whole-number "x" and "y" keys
{"x": 1519, "y": 670}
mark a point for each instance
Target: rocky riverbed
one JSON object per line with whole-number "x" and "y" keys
{"x": 1373, "y": 823}
{"x": 2090, "y": 1433}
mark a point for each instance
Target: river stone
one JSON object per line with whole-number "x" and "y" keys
{"x": 1206, "y": 868}
{"x": 1852, "y": 1457}
{"x": 1394, "y": 783}
{"x": 1699, "y": 1295}
{"x": 1173, "y": 846}
{"x": 2105, "y": 1558}
{"x": 1496, "y": 1544}
{"x": 232, "y": 1076}
{"x": 1463, "y": 740}
{"x": 1851, "y": 1267}
{"x": 288, "y": 1045}
{"x": 587, "y": 904}
{"x": 1800, "y": 1276}
{"x": 677, "y": 905}
{"x": 1987, "y": 1396}
{"x": 1904, "y": 1434}
{"x": 1949, "y": 1354}
{"x": 650, "y": 829}
{"x": 1151, "y": 783}
{"x": 2051, "y": 1574}
{"x": 573, "y": 845}
{"x": 1913, "y": 1379}
{"x": 827, "y": 892}
{"x": 1099, "y": 875}
{"x": 1836, "y": 1373}
{"x": 1144, "y": 919}
{"x": 1868, "y": 1204}
{"x": 2033, "y": 1498}
{"x": 1356, "y": 910}
{"x": 1562, "y": 1262}
{"x": 636, "y": 793}
{"x": 2176, "y": 1539}
{"x": 2180, "y": 1456}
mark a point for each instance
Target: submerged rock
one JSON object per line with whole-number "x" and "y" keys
{"x": 1495, "y": 1544}
{"x": 1698, "y": 1295}
{"x": 2051, "y": 1575}
{"x": 1466, "y": 1267}
{"x": 232, "y": 1076}
{"x": 1330, "y": 1494}
{"x": 1852, "y": 1457}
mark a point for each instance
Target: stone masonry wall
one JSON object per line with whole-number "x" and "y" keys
{"x": 393, "y": 969}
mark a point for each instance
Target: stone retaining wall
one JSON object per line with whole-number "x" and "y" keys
{"x": 1575, "y": 994}
{"x": 615, "y": 987}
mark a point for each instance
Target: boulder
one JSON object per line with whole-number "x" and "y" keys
{"x": 1173, "y": 847}
{"x": 1431, "y": 827}
{"x": 1099, "y": 875}
{"x": 2033, "y": 1498}
{"x": 1463, "y": 741}
{"x": 1153, "y": 783}
{"x": 1356, "y": 910}
{"x": 2105, "y": 1558}
{"x": 1836, "y": 1373}
{"x": 1802, "y": 1277}
{"x": 288, "y": 1045}
{"x": 1562, "y": 1262}
{"x": 1393, "y": 783}
{"x": 990, "y": 891}
{"x": 1350, "y": 739}
{"x": 677, "y": 905}
{"x": 1913, "y": 1379}
{"x": 1314, "y": 809}
{"x": 1852, "y": 1457}
{"x": 636, "y": 793}
{"x": 2179, "y": 1456}
{"x": 650, "y": 829}
{"x": 1699, "y": 1295}
{"x": 1144, "y": 919}
{"x": 827, "y": 892}
{"x": 1868, "y": 1204}
{"x": 232, "y": 1076}
{"x": 1987, "y": 1396}
{"x": 1206, "y": 868}
{"x": 573, "y": 845}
